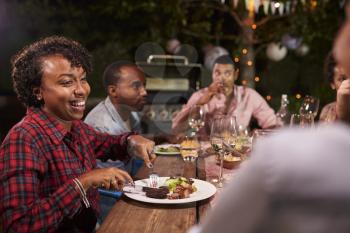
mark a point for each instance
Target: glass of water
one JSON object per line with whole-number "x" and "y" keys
{"x": 189, "y": 149}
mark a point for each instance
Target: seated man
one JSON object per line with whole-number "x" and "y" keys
{"x": 125, "y": 86}
{"x": 224, "y": 97}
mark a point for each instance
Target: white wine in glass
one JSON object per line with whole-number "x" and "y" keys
{"x": 217, "y": 144}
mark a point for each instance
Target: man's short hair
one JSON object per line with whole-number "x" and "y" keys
{"x": 224, "y": 59}
{"x": 112, "y": 73}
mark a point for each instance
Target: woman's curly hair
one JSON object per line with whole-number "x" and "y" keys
{"x": 27, "y": 64}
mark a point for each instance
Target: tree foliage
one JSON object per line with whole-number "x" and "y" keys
{"x": 113, "y": 30}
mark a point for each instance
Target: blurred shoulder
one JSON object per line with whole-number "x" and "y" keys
{"x": 330, "y": 105}
{"x": 297, "y": 142}
{"x": 96, "y": 112}
{"x": 25, "y": 131}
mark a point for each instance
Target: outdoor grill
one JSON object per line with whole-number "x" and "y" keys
{"x": 170, "y": 81}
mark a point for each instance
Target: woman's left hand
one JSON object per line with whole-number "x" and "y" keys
{"x": 142, "y": 148}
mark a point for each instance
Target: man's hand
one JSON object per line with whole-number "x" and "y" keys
{"x": 143, "y": 148}
{"x": 343, "y": 101}
{"x": 213, "y": 89}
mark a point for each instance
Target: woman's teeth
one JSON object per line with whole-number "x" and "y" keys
{"x": 78, "y": 104}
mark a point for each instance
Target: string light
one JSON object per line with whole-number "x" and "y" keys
{"x": 236, "y": 59}
{"x": 268, "y": 97}
{"x": 281, "y": 6}
{"x": 298, "y": 96}
{"x": 249, "y": 63}
{"x": 244, "y": 51}
{"x": 257, "y": 79}
{"x": 313, "y": 4}
{"x": 250, "y": 6}
{"x": 254, "y": 26}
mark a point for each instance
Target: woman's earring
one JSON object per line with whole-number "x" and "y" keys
{"x": 39, "y": 98}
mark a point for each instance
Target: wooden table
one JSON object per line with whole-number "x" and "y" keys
{"x": 132, "y": 216}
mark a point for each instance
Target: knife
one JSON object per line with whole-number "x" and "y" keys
{"x": 136, "y": 189}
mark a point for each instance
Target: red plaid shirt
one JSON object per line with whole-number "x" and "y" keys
{"x": 38, "y": 160}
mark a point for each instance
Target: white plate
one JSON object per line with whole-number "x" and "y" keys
{"x": 158, "y": 152}
{"x": 204, "y": 191}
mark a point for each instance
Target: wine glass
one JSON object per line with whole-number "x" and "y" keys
{"x": 309, "y": 105}
{"x": 243, "y": 142}
{"x": 216, "y": 140}
{"x": 260, "y": 133}
{"x": 196, "y": 118}
{"x": 222, "y": 136}
{"x": 302, "y": 120}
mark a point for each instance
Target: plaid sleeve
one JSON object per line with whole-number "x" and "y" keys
{"x": 108, "y": 146}
{"x": 22, "y": 207}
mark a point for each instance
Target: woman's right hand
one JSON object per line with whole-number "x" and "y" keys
{"x": 107, "y": 178}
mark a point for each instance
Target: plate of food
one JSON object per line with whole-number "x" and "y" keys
{"x": 167, "y": 149}
{"x": 173, "y": 190}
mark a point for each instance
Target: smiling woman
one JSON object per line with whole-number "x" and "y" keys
{"x": 64, "y": 89}
{"x": 48, "y": 175}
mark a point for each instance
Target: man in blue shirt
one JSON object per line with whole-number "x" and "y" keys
{"x": 124, "y": 83}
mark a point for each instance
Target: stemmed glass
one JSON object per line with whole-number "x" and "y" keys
{"x": 309, "y": 105}
{"x": 216, "y": 141}
{"x": 222, "y": 134}
{"x": 196, "y": 118}
{"x": 242, "y": 142}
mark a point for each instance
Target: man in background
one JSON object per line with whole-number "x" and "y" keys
{"x": 224, "y": 97}
{"x": 124, "y": 83}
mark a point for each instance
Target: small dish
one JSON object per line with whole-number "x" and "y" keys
{"x": 230, "y": 162}
{"x": 167, "y": 149}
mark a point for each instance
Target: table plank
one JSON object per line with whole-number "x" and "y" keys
{"x": 131, "y": 216}
{"x": 168, "y": 166}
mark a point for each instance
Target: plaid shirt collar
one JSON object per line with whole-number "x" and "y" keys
{"x": 51, "y": 125}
